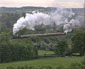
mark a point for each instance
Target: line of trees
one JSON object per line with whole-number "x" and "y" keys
{"x": 62, "y": 48}
{"x": 15, "y": 50}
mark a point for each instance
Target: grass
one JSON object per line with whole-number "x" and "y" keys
{"x": 43, "y": 52}
{"x": 53, "y": 61}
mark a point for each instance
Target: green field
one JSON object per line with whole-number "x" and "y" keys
{"x": 53, "y": 62}
{"x": 43, "y": 53}
{"x": 49, "y": 61}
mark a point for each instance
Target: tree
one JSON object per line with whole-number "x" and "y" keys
{"x": 3, "y": 28}
{"x": 14, "y": 50}
{"x": 61, "y": 48}
{"x": 4, "y": 39}
{"x": 78, "y": 42}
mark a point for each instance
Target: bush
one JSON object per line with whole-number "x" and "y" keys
{"x": 61, "y": 48}
{"x": 15, "y": 50}
{"x": 78, "y": 42}
{"x": 77, "y": 66}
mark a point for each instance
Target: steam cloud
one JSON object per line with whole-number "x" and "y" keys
{"x": 60, "y": 16}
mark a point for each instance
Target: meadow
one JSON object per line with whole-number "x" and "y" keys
{"x": 53, "y": 62}
{"x": 45, "y": 53}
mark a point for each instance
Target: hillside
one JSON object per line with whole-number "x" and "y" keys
{"x": 9, "y": 15}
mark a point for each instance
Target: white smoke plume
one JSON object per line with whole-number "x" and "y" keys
{"x": 60, "y": 16}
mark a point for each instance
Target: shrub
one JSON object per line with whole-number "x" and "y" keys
{"x": 15, "y": 50}
{"x": 61, "y": 48}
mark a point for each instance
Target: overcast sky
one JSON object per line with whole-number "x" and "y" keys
{"x": 43, "y": 3}
{"x": 71, "y": 0}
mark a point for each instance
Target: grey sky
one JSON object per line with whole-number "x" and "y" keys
{"x": 70, "y": 0}
{"x": 43, "y": 3}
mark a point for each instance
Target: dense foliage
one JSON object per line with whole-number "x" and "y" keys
{"x": 14, "y": 50}
{"x": 61, "y": 48}
{"x": 78, "y": 42}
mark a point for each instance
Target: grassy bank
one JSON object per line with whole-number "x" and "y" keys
{"x": 53, "y": 62}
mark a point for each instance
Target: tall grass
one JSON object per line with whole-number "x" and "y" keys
{"x": 44, "y": 63}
